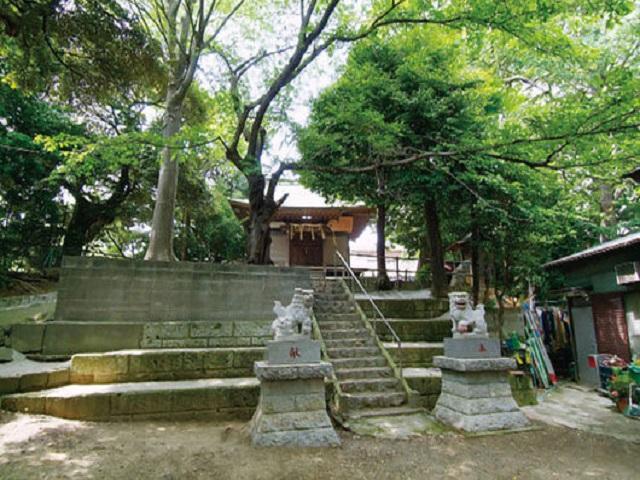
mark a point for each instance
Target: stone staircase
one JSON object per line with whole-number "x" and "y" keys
{"x": 152, "y": 383}
{"x": 421, "y": 324}
{"x": 366, "y": 384}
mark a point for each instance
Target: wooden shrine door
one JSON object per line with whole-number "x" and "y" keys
{"x": 305, "y": 251}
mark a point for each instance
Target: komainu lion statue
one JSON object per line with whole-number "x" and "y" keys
{"x": 466, "y": 320}
{"x": 293, "y": 320}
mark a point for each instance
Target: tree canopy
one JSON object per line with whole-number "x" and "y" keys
{"x": 508, "y": 122}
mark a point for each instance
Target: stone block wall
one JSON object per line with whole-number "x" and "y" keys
{"x": 95, "y": 289}
{"x": 158, "y": 365}
{"x": 205, "y": 334}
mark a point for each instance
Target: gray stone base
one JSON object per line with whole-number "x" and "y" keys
{"x": 293, "y": 429}
{"x": 292, "y": 409}
{"x": 481, "y": 423}
{"x": 476, "y": 396}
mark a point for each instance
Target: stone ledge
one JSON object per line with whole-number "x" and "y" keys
{"x": 477, "y": 406}
{"x": 140, "y": 400}
{"x": 266, "y": 371}
{"x": 321, "y": 437}
{"x": 474, "y": 364}
{"x": 481, "y": 423}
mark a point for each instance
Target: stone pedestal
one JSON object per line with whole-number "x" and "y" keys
{"x": 292, "y": 409}
{"x": 476, "y": 395}
{"x": 293, "y": 351}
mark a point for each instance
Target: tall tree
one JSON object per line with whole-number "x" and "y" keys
{"x": 395, "y": 95}
{"x": 321, "y": 26}
{"x": 185, "y": 29}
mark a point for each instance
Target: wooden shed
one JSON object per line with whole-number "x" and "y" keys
{"x": 604, "y": 300}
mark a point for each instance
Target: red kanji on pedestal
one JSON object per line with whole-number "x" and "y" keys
{"x": 482, "y": 348}
{"x": 294, "y": 352}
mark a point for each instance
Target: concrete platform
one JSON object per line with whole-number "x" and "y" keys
{"x": 226, "y": 398}
{"x": 397, "y": 427}
{"x": 569, "y": 405}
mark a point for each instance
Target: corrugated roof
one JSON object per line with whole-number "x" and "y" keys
{"x": 606, "y": 247}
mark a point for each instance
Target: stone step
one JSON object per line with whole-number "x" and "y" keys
{"x": 322, "y": 297}
{"x": 337, "y": 317}
{"x": 365, "y": 372}
{"x": 361, "y": 385}
{"x": 414, "y": 330}
{"x": 383, "y": 412}
{"x": 333, "y": 308}
{"x": 164, "y": 364}
{"x": 426, "y": 383}
{"x": 329, "y": 286}
{"x": 340, "y": 325}
{"x": 27, "y": 376}
{"x": 224, "y": 398}
{"x": 358, "y": 401}
{"x": 352, "y": 352}
{"x": 347, "y": 333}
{"x": 349, "y": 342}
{"x": 359, "y": 362}
{"x": 415, "y": 354}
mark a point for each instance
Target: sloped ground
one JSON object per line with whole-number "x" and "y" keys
{"x": 580, "y": 408}
{"x": 36, "y": 447}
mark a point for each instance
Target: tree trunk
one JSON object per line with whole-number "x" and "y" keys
{"x": 185, "y": 245}
{"x": 475, "y": 263}
{"x": 424, "y": 254}
{"x": 75, "y": 234}
{"x": 161, "y": 239}
{"x": 438, "y": 275}
{"x": 500, "y": 325}
{"x": 262, "y": 210}
{"x": 383, "y": 282}
{"x": 607, "y": 211}
{"x": 87, "y": 221}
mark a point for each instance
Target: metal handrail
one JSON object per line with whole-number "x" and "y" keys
{"x": 375, "y": 308}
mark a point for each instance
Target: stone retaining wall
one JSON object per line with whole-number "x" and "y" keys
{"x": 413, "y": 330}
{"x": 205, "y": 334}
{"x": 404, "y": 308}
{"x": 108, "y": 304}
{"x": 22, "y": 301}
{"x": 163, "y": 365}
{"x": 66, "y": 338}
{"x": 95, "y": 289}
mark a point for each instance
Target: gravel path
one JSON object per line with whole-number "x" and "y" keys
{"x": 36, "y": 447}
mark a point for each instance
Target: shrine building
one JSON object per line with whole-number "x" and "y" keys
{"x": 306, "y": 231}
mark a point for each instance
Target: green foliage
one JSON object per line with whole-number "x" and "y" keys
{"x": 207, "y": 230}
{"x": 88, "y": 49}
{"x": 425, "y": 92}
{"x": 32, "y": 217}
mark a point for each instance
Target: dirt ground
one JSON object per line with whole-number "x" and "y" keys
{"x": 38, "y": 447}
